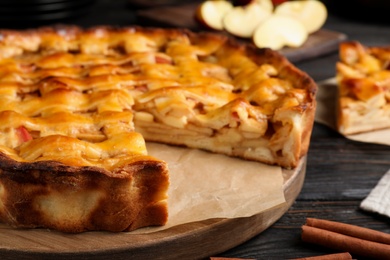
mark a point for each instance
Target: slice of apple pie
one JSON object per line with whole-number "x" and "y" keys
{"x": 363, "y": 77}
{"x": 77, "y": 105}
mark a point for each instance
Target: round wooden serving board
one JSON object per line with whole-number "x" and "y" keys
{"x": 188, "y": 241}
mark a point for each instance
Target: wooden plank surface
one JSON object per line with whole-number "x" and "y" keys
{"x": 319, "y": 43}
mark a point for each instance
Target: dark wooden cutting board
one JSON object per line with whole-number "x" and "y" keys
{"x": 319, "y": 43}
{"x": 195, "y": 240}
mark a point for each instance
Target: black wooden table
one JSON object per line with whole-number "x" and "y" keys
{"x": 340, "y": 173}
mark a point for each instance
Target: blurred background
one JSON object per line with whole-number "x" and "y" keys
{"x": 27, "y": 13}
{"x": 362, "y": 10}
{"x": 32, "y": 13}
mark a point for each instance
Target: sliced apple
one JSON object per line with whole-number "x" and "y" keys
{"x": 279, "y": 31}
{"x": 312, "y": 13}
{"x": 242, "y": 21}
{"x": 210, "y": 13}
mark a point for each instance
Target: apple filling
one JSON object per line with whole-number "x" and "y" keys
{"x": 200, "y": 86}
{"x": 363, "y": 92}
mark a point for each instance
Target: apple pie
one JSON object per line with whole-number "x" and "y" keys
{"x": 363, "y": 79}
{"x": 78, "y": 104}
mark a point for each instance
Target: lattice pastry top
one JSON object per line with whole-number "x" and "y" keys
{"x": 75, "y": 100}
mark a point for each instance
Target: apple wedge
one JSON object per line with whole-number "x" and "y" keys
{"x": 279, "y": 31}
{"x": 312, "y": 13}
{"x": 210, "y": 13}
{"x": 242, "y": 21}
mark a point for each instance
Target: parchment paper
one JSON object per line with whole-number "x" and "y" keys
{"x": 326, "y": 114}
{"x": 204, "y": 185}
{"x": 378, "y": 200}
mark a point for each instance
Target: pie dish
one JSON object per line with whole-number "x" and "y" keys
{"x": 78, "y": 105}
{"x": 363, "y": 78}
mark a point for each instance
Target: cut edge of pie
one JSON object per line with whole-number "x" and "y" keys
{"x": 80, "y": 103}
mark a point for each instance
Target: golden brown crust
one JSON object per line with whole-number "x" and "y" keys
{"x": 175, "y": 86}
{"x": 77, "y": 199}
{"x": 69, "y": 158}
{"x": 205, "y": 45}
{"x": 363, "y": 77}
{"x": 303, "y": 81}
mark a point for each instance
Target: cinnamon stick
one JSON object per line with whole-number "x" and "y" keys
{"x": 345, "y": 243}
{"x": 338, "y": 256}
{"x": 350, "y": 230}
